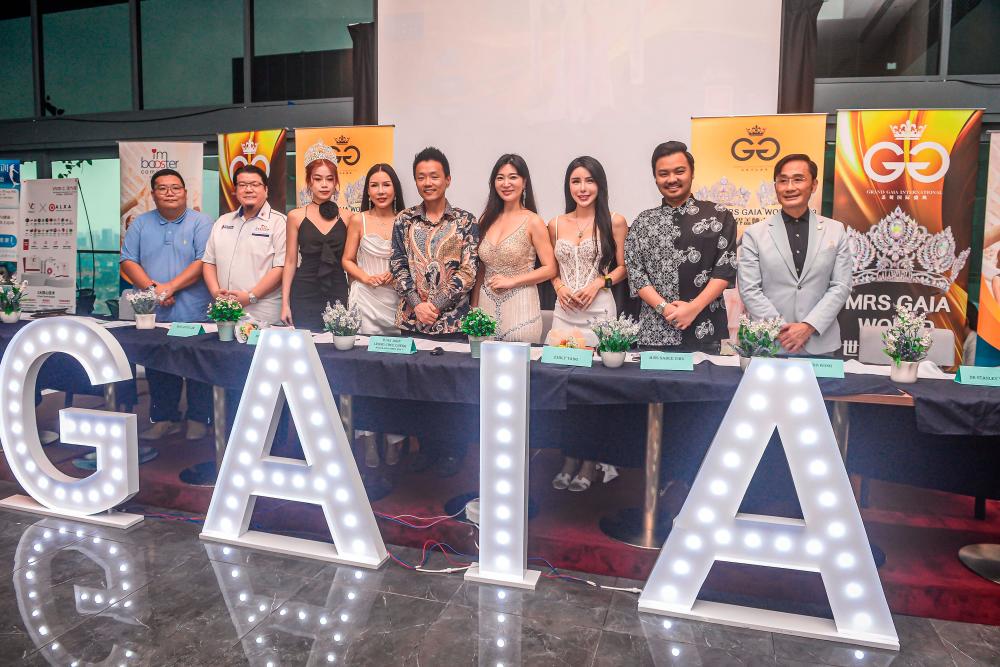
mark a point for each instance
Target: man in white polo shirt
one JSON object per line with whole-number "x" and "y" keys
{"x": 246, "y": 250}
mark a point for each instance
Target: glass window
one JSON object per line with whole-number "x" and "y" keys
{"x": 98, "y": 225}
{"x": 88, "y": 67}
{"x": 303, "y": 50}
{"x": 16, "y": 80}
{"x": 859, "y": 38}
{"x": 974, "y": 47}
{"x": 188, "y": 49}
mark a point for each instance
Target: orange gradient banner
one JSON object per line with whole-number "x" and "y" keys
{"x": 735, "y": 158}
{"x": 989, "y": 290}
{"x": 261, "y": 148}
{"x": 358, "y": 148}
{"x": 904, "y": 184}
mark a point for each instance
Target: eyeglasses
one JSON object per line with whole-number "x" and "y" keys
{"x": 172, "y": 189}
{"x": 795, "y": 180}
{"x": 249, "y": 186}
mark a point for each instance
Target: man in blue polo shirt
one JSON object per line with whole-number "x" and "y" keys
{"x": 163, "y": 248}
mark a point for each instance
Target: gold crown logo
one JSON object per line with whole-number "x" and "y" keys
{"x": 755, "y": 131}
{"x": 908, "y": 130}
{"x": 249, "y": 147}
{"x": 342, "y": 140}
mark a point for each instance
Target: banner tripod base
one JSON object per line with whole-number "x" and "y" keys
{"x": 627, "y": 526}
{"x": 983, "y": 559}
{"x": 200, "y": 474}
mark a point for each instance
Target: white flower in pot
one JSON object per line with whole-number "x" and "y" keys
{"x": 144, "y": 303}
{"x": 906, "y": 342}
{"x": 757, "y": 338}
{"x": 343, "y": 323}
{"x": 615, "y": 337}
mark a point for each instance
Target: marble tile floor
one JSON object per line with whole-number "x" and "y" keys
{"x": 76, "y": 594}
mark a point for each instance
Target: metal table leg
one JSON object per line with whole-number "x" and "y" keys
{"x": 639, "y": 526}
{"x": 347, "y": 417}
{"x": 205, "y": 473}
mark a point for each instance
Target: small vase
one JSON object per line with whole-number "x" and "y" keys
{"x": 475, "y": 345}
{"x": 612, "y": 359}
{"x": 744, "y": 362}
{"x": 344, "y": 342}
{"x": 10, "y": 318}
{"x": 145, "y": 320}
{"x": 226, "y": 330}
{"x": 905, "y": 372}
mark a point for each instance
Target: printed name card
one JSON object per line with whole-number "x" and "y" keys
{"x": 567, "y": 356}
{"x": 254, "y": 337}
{"x": 982, "y": 376}
{"x": 392, "y": 344}
{"x": 666, "y": 361}
{"x": 185, "y": 329}
{"x": 828, "y": 368}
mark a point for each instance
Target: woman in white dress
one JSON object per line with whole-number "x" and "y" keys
{"x": 589, "y": 244}
{"x": 366, "y": 260}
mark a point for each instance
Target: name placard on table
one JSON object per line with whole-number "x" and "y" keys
{"x": 980, "y": 376}
{"x": 392, "y": 344}
{"x": 828, "y": 368}
{"x": 185, "y": 329}
{"x": 567, "y": 356}
{"x": 666, "y": 361}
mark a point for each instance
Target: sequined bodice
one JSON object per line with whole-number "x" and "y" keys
{"x": 513, "y": 256}
{"x": 577, "y": 262}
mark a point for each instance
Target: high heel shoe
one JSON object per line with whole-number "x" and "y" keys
{"x": 561, "y": 481}
{"x": 579, "y": 484}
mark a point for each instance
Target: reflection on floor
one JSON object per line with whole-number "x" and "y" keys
{"x": 157, "y": 595}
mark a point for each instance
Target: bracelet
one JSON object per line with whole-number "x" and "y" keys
{"x": 561, "y": 286}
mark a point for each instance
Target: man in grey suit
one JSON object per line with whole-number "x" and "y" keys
{"x": 797, "y": 265}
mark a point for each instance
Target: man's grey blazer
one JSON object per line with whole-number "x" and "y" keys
{"x": 770, "y": 287}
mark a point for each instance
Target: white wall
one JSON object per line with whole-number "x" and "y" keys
{"x": 554, "y": 79}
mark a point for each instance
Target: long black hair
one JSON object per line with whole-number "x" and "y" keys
{"x": 397, "y": 188}
{"x": 603, "y": 235}
{"x": 494, "y": 205}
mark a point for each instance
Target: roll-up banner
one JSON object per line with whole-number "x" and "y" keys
{"x": 260, "y": 148}
{"x": 48, "y": 243}
{"x": 989, "y": 289}
{"x": 358, "y": 149}
{"x": 734, "y": 160}
{"x": 139, "y": 160}
{"x": 905, "y": 184}
{"x": 10, "y": 202}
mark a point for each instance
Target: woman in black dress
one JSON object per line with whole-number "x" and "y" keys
{"x": 316, "y": 234}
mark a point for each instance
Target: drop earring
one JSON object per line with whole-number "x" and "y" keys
{"x": 524, "y": 198}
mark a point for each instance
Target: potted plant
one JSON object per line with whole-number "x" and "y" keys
{"x": 757, "y": 339}
{"x": 906, "y": 342}
{"x": 11, "y": 293}
{"x": 615, "y": 337}
{"x": 144, "y": 304}
{"x": 342, "y": 323}
{"x": 225, "y": 311}
{"x": 478, "y": 326}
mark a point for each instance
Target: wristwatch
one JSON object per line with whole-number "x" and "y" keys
{"x": 608, "y": 282}
{"x": 659, "y": 307}
{"x": 252, "y": 298}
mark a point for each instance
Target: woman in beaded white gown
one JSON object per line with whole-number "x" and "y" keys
{"x": 589, "y": 244}
{"x": 366, "y": 261}
{"x": 511, "y": 236}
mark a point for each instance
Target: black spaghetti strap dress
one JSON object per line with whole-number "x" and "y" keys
{"x": 320, "y": 276}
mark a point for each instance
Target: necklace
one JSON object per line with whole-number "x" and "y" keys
{"x": 579, "y": 231}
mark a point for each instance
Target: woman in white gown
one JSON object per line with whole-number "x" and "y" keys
{"x": 589, "y": 244}
{"x": 366, "y": 260}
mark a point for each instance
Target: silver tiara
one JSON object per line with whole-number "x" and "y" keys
{"x": 320, "y": 151}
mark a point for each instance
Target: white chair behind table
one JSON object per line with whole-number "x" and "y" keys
{"x": 546, "y": 323}
{"x": 942, "y": 351}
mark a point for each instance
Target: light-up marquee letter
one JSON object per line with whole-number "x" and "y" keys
{"x": 503, "y": 466}
{"x": 830, "y": 539}
{"x": 287, "y": 365}
{"x": 112, "y": 434}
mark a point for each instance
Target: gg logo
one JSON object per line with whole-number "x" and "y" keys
{"x": 349, "y": 155}
{"x": 912, "y": 167}
{"x": 742, "y": 149}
